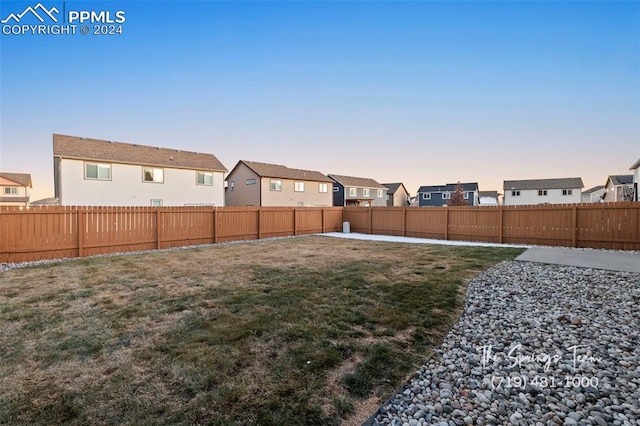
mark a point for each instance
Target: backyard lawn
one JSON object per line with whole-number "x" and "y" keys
{"x": 307, "y": 330}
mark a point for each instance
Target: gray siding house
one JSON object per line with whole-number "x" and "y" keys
{"x": 349, "y": 191}
{"x": 439, "y": 195}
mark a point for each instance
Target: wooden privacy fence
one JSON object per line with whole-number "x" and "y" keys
{"x": 608, "y": 225}
{"x": 59, "y": 232}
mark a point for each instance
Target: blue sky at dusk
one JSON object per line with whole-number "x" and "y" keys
{"x": 420, "y": 92}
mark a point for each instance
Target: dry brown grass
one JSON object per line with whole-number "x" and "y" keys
{"x": 274, "y": 332}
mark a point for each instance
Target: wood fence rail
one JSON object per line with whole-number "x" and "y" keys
{"x": 58, "y": 232}
{"x": 61, "y": 232}
{"x": 602, "y": 225}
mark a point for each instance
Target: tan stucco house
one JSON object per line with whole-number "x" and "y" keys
{"x": 251, "y": 183}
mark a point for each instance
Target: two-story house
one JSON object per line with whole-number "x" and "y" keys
{"x": 14, "y": 189}
{"x": 100, "y": 172}
{"x": 636, "y": 179}
{"x": 397, "y": 195}
{"x": 619, "y": 188}
{"x": 542, "y": 191}
{"x": 350, "y": 191}
{"x": 251, "y": 183}
{"x": 439, "y": 195}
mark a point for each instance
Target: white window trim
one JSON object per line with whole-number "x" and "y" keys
{"x": 380, "y": 193}
{"x": 567, "y": 192}
{"x": 426, "y": 196}
{"x": 542, "y": 193}
{"x": 156, "y": 202}
{"x": 353, "y": 192}
{"x": 323, "y": 187}
{"x": 98, "y": 165}
{"x": 446, "y": 195}
{"x": 466, "y": 195}
{"x": 366, "y": 192}
{"x": 275, "y": 185}
{"x": 153, "y": 169}
{"x": 10, "y": 190}
{"x": 251, "y": 182}
{"x": 515, "y": 192}
{"x": 298, "y": 186}
{"x": 204, "y": 175}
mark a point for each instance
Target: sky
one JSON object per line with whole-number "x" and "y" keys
{"x": 419, "y": 92}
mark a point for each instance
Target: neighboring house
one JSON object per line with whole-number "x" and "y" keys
{"x": 14, "y": 189}
{"x": 593, "y": 195}
{"x": 439, "y": 195}
{"x": 357, "y": 191}
{"x": 98, "y": 172}
{"x": 619, "y": 188}
{"x": 397, "y": 195}
{"x": 489, "y": 198}
{"x": 261, "y": 184}
{"x": 542, "y": 191}
{"x": 636, "y": 179}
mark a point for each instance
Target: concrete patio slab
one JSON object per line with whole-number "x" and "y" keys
{"x": 584, "y": 258}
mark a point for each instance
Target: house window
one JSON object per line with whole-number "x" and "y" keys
{"x": 336, "y": 189}
{"x": 97, "y": 171}
{"x": 365, "y": 192}
{"x": 466, "y": 195}
{"x": 323, "y": 187}
{"x": 515, "y": 193}
{"x": 156, "y": 203}
{"x": 446, "y": 195}
{"x": 353, "y": 192}
{"x": 300, "y": 203}
{"x": 11, "y": 190}
{"x": 298, "y": 186}
{"x": 275, "y": 185}
{"x": 380, "y": 193}
{"x": 251, "y": 181}
{"x": 426, "y": 196}
{"x": 567, "y": 192}
{"x": 542, "y": 193}
{"x": 152, "y": 174}
{"x": 204, "y": 178}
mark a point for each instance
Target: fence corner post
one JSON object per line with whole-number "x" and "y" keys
{"x": 81, "y": 226}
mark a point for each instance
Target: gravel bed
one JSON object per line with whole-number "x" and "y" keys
{"x": 536, "y": 345}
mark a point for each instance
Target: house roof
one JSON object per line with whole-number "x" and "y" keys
{"x": 559, "y": 183}
{"x": 493, "y": 194}
{"x": 450, "y": 187}
{"x": 356, "y": 181}
{"x": 283, "y": 172}
{"x": 621, "y": 179}
{"x": 635, "y": 165}
{"x": 594, "y": 189}
{"x": 22, "y": 179}
{"x": 119, "y": 152}
{"x": 393, "y": 187}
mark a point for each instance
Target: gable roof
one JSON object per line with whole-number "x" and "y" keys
{"x": 557, "y": 183}
{"x": 283, "y": 172}
{"x": 450, "y": 187}
{"x": 621, "y": 179}
{"x": 393, "y": 187}
{"x": 118, "y": 152}
{"x": 594, "y": 189}
{"x": 635, "y": 165}
{"x": 492, "y": 194}
{"x": 356, "y": 181}
{"x": 22, "y": 179}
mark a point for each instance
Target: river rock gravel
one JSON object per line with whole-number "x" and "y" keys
{"x": 536, "y": 345}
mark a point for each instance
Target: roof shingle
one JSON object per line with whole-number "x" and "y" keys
{"x": 559, "y": 183}
{"x": 284, "y": 172}
{"x": 118, "y": 152}
{"x": 24, "y": 179}
{"x": 356, "y": 181}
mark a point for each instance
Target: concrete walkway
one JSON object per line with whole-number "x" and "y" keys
{"x": 587, "y": 258}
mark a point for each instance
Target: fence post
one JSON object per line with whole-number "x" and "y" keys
{"x": 259, "y": 220}
{"x": 158, "y": 230}
{"x": 215, "y": 225}
{"x": 501, "y": 222}
{"x": 446, "y": 222}
{"x": 370, "y": 220}
{"x": 574, "y": 225}
{"x": 404, "y": 221}
{"x": 323, "y": 224}
{"x": 81, "y": 226}
{"x": 295, "y": 224}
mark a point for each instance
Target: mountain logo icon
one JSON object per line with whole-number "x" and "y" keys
{"x": 34, "y": 11}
